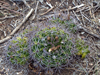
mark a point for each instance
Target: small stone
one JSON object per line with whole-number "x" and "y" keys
{"x": 91, "y": 64}
{"x": 49, "y": 4}
{"x": 82, "y": 32}
{"x": 50, "y": 50}
{"x": 62, "y": 42}
{"x": 19, "y": 73}
{"x": 80, "y": 27}
{"x": 54, "y": 57}
{"x": 99, "y": 20}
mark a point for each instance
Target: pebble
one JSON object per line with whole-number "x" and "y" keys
{"x": 91, "y": 64}
{"x": 82, "y": 32}
{"x": 19, "y": 73}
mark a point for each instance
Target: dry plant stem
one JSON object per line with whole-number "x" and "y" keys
{"x": 24, "y": 20}
{"x": 2, "y": 46}
{"x": 86, "y": 18}
{"x": 50, "y": 9}
{"x": 82, "y": 17}
{"x": 85, "y": 30}
{"x": 88, "y": 9}
{"x": 1, "y": 30}
{"x": 11, "y": 10}
{"x": 35, "y": 10}
{"x": 26, "y": 3}
{"x": 5, "y": 39}
{"x": 85, "y": 8}
{"x": 47, "y": 11}
{"x": 5, "y": 33}
{"x": 90, "y": 12}
{"x": 74, "y": 69}
{"x": 7, "y": 17}
{"x": 93, "y": 67}
{"x": 47, "y": 16}
{"x": 61, "y": 3}
{"x": 17, "y": 28}
{"x": 78, "y": 6}
{"x": 77, "y": 17}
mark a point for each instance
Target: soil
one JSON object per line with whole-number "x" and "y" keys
{"x": 89, "y": 65}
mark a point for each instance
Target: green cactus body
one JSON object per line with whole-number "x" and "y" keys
{"x": 51, "y": 47}
{"x": 19, "y": 53}
{"x": 51, "y": 42}
{"x": 82, "y": 48}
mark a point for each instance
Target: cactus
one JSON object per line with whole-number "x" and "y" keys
{"x": 82, "y": 48}
{"x": 67, "y": 23}
{"x": 49, "y": 47}
{"x": 52, "y": 47}
{"x": 18, "y": 51}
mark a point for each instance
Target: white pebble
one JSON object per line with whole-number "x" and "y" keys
{"x": 54, "y": 57}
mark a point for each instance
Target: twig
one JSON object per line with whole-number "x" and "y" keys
{"x": 93, "y": 67}
{"x": 35, "y": 11}
{"x": 1, "y": 30}
{"x": 82, "y": 17}
{"x": 47, "y": 11}
{"x": 85, "y": 30}
{"x": 5, "y": 33}
{"x": 47, "y": 16}
{"x": 51, "y": 9}
{"x": 85, "y": 8}
{"x": 2, "y": 46}
{"x": 7, "y": 17}
{"x": 78, "y": 6}
{"x": 26, "y": 3}
{"x": 11, "y": 10}
{"x": 74, "y": 69}
{"x": 5, "y": 39}
{"x": 61, "y": 3}
{"x": 86, "y": 17}
{"x": 49, "y": 4}
{"x": 77, "y": 17}
{"x": 24, "y": 20}
{"x": 17, "y": 28}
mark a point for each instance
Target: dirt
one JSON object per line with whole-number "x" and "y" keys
{"x": 81, "y": 68}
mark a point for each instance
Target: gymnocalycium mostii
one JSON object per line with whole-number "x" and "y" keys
{"x": 82, "y": 48}
{"x": 51, "y": 47}
{"x": 67, "y": 23}
{"x": 18, "y": 51}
